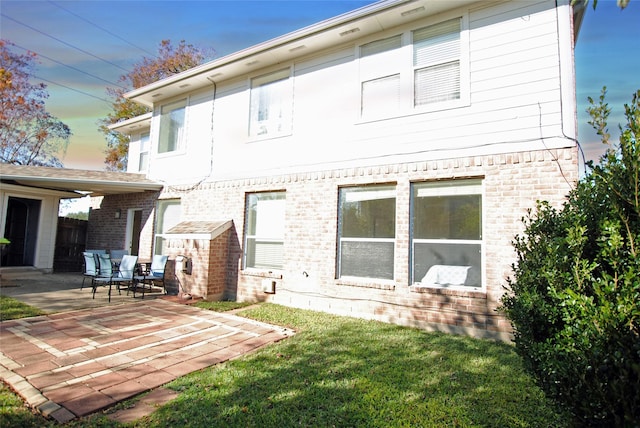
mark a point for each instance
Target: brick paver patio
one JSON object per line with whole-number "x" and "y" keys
{"x": 73, "y": 364}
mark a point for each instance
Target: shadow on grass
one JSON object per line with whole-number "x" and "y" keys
{"x": 347, "y": 372}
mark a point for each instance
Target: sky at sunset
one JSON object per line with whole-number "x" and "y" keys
{"x": 85, "y": 46}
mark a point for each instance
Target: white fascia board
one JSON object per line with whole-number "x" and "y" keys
{"x": 126, "y": 126}
{"x": 16, "y": 188}
{"x": 295, "y": 36}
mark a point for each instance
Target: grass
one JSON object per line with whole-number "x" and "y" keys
{"x": 222, "y": 306}
{"x": 13, "y": 412}
{"x": 339, "y": 371}
{"x": 11, "y": 308}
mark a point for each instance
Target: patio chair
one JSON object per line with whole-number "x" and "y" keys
{"x": 105, "y": 266}
{"x": 124, "y": 275}
{"x": 116, "y": 256}
{"x": 152, "y": 276}
{"x": 91, "y": 269}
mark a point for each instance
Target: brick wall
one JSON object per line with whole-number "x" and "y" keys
{"x": 207, "y": 276}
{"x": 512, "y": 182}
{"x": 105, "y": 231}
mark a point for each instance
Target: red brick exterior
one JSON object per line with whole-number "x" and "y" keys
{"x": 109, "y": 233}
{"x": 512, "y": 182}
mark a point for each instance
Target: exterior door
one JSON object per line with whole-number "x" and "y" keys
{"x": 134, "y": 226}
{"x": 21, "y": 228}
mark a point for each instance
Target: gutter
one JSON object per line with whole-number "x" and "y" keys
{"x": 294, "y": 36}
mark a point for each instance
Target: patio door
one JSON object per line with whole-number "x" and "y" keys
{"x": 21, "y": 228}
{"x": 134, "y": 227}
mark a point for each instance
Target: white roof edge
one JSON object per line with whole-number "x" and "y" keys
{"x": 82, "y": 181}
{"x": 270, "y": 44}
{"x": 131, "y": 121}
{"x": 64, "y": 194}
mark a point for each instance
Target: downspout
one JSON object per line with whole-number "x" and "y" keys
{"x": 566, "y": 43}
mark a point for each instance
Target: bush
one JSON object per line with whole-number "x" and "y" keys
{"x": 574, "y": 298}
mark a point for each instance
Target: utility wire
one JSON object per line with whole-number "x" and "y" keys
{"x": 70, "y": 66}
{"x": 102, "y": 28}
{"x": 73, "y": 89}
{"x": 63, "y": 42}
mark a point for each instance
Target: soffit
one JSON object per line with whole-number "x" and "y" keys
{"x": 336, "y": 31}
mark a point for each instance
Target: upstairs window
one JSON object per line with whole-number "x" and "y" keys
{"x": 381, "y": 90}
{"x": 436, "y": 62}
{"x": 418, "y": 70}
{"x": 271, "y": 104}
{"x": 264, "y": 236}
{"x": 172, "y": 127}
{"x": 367, "y": 230}
{"x": 143, "y": 159}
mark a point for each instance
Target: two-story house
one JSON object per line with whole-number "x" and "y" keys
{"x": 376, "y": 164}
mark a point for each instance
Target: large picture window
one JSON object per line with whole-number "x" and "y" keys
{"x": 172, "y": 124}
{"x": 446, "y": 233}
{"x": 271, "y": 104}
{"x": 168, "y": 213}
{"x": 367, "y": 230}
{"x": 264, "y": 236}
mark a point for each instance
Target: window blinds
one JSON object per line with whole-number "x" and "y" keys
{"x": 436, "y": 56}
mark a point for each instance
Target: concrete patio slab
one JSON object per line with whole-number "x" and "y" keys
{"x": 75, "y": 363}
{"x": 61, "y": 292}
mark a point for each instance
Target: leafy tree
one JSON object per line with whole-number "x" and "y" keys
{"x": 574, "y": 297}
{"x": 621, "y": 3}
{"x": 170, "y": 60}
{"x": 29, "y": 135}
{"x": 79, "y": 215}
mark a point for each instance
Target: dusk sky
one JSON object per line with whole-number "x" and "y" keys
{"x": 85, "y": 46}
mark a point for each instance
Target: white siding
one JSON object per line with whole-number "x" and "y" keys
{"x": 515, "y": 83}
{"x": 194, "y": 162}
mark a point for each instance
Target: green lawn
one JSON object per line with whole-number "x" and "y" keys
{"x": 345, "y": 372}
{"x": 11, "y": 308}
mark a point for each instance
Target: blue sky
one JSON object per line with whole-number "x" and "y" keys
{"x": 102, "y": 39}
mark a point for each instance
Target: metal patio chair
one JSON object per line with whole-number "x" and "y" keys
{"x": 91, "y": 269}
{"x": 152, "y": 276}
{"x": 124, "y": 275}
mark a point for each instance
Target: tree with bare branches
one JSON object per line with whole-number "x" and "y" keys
{"x": 29, "y": 135}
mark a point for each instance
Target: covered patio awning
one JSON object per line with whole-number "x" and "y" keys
{"x": 76, "y": 181}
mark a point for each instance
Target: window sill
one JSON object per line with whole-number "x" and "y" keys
{"x": 415, "y": 111}
{"x": 172, "y": 153}
{"x": 262, "y": 273}
{"x": 367, "y": 283}
{"x": 475, "y": 293}
{"x": 266, "y": 137}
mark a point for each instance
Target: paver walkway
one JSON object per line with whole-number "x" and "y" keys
{"x": 73, "y": 364}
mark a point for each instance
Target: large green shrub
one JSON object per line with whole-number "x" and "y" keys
{"x": 574, "y": 298}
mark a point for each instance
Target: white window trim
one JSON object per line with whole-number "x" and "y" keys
{"x": 358, "y": 196}
{"x": 141, "y": 152}
{"x": 406, "y": 71}
{"x": 155, "y": 137}
{"x": 252, "y": 136}
{"x": 162, "y": 235}
{"x": 247, "y": 236}
{"x": 450, "y": 191}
